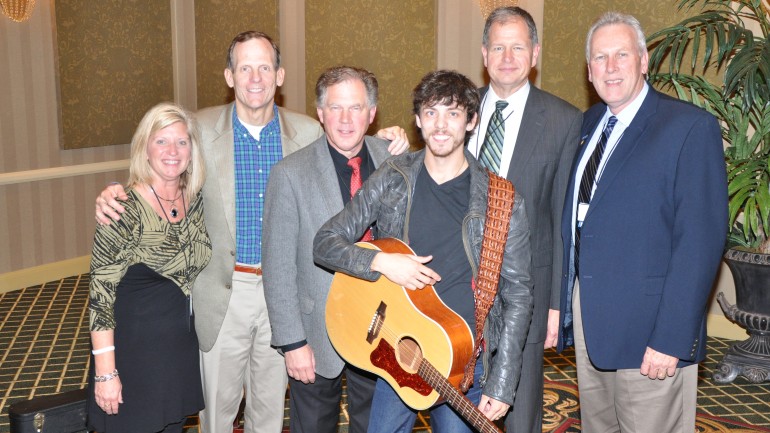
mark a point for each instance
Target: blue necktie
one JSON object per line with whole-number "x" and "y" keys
{"x": 492, "y": 148}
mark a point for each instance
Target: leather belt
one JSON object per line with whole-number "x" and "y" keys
{"x": 249, "y": 269}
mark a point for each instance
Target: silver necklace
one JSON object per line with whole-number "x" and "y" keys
{"x": 172, "y": 203}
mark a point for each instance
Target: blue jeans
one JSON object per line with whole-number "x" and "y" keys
{"x": 390, "y": 415}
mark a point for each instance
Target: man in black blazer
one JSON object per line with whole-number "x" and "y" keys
{"x": 644, "y": 226}
{"x": 541, "y": 135}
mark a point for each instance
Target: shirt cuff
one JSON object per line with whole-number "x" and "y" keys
{"x": 293, "y": 346}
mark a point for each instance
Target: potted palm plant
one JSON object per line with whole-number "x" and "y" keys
{"x": 730, "y": 38}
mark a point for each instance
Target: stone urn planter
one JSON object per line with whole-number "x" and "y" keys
{"x": 749, "y": 358}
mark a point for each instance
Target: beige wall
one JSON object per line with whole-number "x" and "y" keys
{"x": 50, "y": 220}
{"x": 361, "y": 33}
{"x": 216, "y": 23}
{"x": 565, "y": 25}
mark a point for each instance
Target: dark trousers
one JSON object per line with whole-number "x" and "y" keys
{"x": 526, "y": 415}
{"x": 315, "y": 407}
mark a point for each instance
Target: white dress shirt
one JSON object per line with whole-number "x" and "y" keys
{"x": 625, "y": 117}
{"x": 512, "y": 115}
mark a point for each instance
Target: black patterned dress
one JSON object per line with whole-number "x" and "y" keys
{"x": 142, "y": 270}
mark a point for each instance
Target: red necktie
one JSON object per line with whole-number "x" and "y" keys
{"x": 355, "y": 185}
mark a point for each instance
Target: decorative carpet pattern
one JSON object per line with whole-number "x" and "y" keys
{"x": 44, "y": 344}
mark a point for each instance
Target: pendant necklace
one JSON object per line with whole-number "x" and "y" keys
{"x": 174, "y": 210}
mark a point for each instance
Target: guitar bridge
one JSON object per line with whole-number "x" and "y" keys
{"x": 376, "y": 324}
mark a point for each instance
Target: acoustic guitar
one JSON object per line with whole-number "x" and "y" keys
{"x": 410, "y": 338}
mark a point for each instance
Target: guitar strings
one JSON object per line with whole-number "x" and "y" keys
{"x": 389, "y": 336}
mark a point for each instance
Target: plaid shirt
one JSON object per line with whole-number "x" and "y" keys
{"x": 253, "y": 160}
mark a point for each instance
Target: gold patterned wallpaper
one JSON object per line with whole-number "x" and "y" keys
{"x": 565, "y": 25}
{"x": 114, "y": 63}
{"x": 397, "y": 44}
{"x": 216, "y": 24}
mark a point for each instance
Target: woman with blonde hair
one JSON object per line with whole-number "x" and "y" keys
{"x": 145, "y": 370}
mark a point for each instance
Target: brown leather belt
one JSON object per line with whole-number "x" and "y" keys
{"x": 249, "y": 269}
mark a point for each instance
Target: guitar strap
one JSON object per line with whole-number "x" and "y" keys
{"x": 499, "y": 208}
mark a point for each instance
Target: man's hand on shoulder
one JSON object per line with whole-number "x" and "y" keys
{"x": 399, "y": 141}
{"x": 300, "y": 364}
{"x": 657, "y": 365}
{"x": 108, "y": 208}
{"x": 492, "y": 409}
{"x": 406, "y": 270}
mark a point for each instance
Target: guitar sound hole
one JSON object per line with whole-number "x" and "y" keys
{"x": 409, "y": 354}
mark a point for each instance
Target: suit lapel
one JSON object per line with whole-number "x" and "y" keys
{"x": 530, "y": 131}
{"x": 325, "y": 177}
{"x": 625, "y": 148}
{"x": 590, "y": 122}
{"x": 225, "y": 163}
{"x": 287, "y": 135}
{"x": 378, "y": 153}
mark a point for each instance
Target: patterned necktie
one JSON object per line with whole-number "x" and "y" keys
{"x": 589, "y": 176}
{"x": 355, "y": 185}
{"x": 492, "y": 147}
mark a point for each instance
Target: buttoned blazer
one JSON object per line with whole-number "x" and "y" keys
{"x": 212, "y": 288}
{"x": 539, "y": 170}
{"x": 653, "y": 236}
{"x": 302, "y": 194}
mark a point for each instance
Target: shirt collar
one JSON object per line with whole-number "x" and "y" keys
{"x": 516, "y": 100}
{"x": 272, "y": 125}
{"x": 627, "y": 114}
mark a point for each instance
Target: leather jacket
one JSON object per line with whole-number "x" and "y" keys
{"x": 386, "y": 198}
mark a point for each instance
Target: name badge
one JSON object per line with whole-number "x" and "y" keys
{"x": 582, "y": 210}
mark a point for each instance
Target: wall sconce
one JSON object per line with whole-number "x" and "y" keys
{"x": 17, "y": 10}
{"x": 487, "y": 6}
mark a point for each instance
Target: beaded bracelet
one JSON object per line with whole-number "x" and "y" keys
{"x": 106, "y": 377}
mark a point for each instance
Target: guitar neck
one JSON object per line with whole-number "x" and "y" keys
{"x": 455, "y": 398}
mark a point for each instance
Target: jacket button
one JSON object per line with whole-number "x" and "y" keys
{"x": 232, "y": 253}
{"x": 227, "y": 286}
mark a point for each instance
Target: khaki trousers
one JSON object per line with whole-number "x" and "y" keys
{"x": 625, "y": 400}
{"x": 243, "y": 361}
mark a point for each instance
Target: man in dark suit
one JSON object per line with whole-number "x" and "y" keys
{"x": 644, "y": 227}
{"x": 540, "y": 137}
{"x": 305, "y": 189}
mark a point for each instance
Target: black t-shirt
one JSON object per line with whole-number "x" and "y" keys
{"x": 435, "y": 228}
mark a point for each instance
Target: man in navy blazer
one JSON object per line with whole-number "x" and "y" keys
{"x": 649, "y": 227}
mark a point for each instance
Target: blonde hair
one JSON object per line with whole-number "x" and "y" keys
{"x": 157, "y": 118}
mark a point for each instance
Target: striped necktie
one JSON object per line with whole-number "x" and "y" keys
{"x": 492, "y": 148}
{"x": 589, "y": 178}
{"x": 589, "y": 175}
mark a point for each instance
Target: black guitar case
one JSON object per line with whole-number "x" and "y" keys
{"x": 57, "y": 413}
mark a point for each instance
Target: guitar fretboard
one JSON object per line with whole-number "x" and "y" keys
{"x": 455, "y": 398}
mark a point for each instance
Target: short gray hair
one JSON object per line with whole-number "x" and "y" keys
{"x": 339, "y": 74}
{"x": 507, "y": 13}
{"x": 610, "y": 18}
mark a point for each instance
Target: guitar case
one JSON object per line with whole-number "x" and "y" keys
{"x": 57, "y": 413}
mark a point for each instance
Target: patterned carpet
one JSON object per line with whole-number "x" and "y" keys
{"x": 44, "y": 350}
